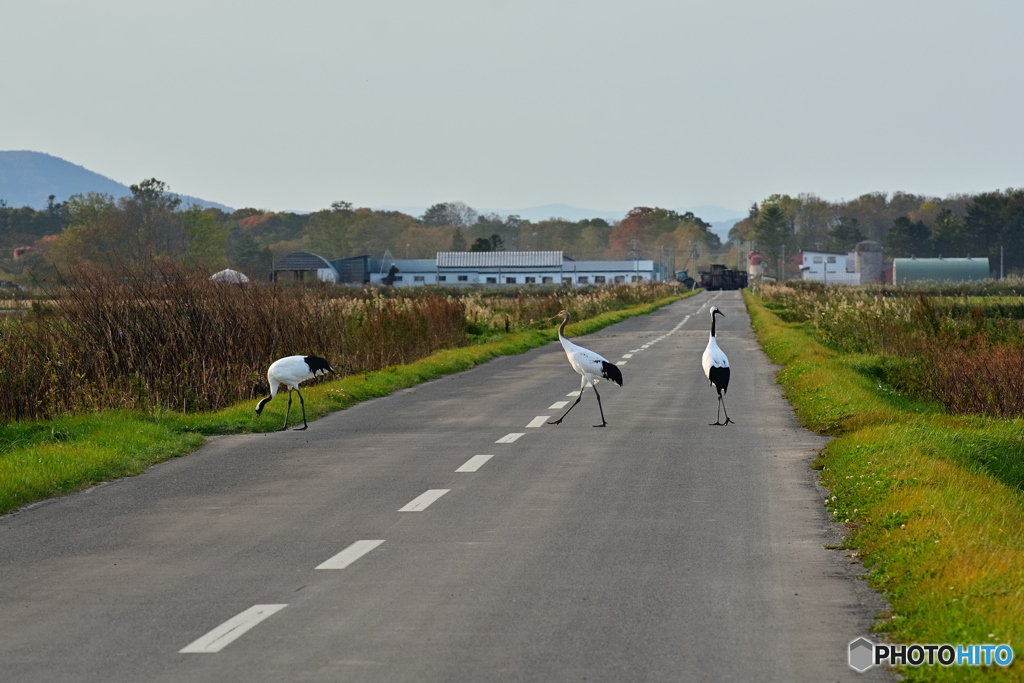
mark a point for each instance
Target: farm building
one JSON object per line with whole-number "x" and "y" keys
{"x": 867, "y": 260}
{"x": 828, "y": 268}
{"x": 473, "y": 268}
{"x": 299, "y": 263}
{"x": 906, "y": 270}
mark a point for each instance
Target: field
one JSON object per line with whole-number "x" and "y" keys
{"x": 114, "y": 376}
{"x": 167, "y": 338}
{"x": 927, "y": 465}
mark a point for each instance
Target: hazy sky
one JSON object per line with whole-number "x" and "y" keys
{"x": 292, "y": 105}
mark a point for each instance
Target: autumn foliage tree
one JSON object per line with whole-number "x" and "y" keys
{"x": 632, "y": 230}
{"x": 646, "y": 228}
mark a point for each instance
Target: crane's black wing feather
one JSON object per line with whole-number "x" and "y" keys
{"x": 317, "y": 364}
{"x": 720, "y": 378}
{"x": 611, "y": 372}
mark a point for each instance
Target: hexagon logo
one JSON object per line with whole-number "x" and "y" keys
{"x": 862, "y": 653}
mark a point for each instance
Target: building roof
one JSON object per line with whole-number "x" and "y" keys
{"x": 867, "y": 245}
{"x": 630, "y": 265}
{"x": 404, "y": 265}
{"x": 939, "y": 269}
{"x": 302, "y": 260}
{"x": 509, "y": 259}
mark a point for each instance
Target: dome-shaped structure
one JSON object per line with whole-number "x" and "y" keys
{"x": 299, "y": 262}
{"x": 228, "y": 275}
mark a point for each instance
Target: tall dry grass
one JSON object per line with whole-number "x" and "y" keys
{"x": 166, "y": 337}
{"x": 526, "y": 309}
{"x": 966, "y": 352}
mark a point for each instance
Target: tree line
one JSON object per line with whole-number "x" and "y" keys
{"x": 152, "y": 223}
{"x": 904, "y": 224}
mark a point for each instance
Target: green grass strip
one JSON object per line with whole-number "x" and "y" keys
{"x": 933, "y": 502}
{"x": 53, "y": 457}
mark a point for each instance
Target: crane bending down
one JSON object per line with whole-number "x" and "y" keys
{"x": 290, "y": 371}
{"x": 716, "y": 367}
{"x": 590, "y": 366}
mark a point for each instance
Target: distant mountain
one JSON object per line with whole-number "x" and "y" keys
{"x": 722, "y": 228}
{"x": 714, "y": 214}
{"x": 563, "y": 211}
{"x": 721, "y": 219}
{"x": 29, "y": 178}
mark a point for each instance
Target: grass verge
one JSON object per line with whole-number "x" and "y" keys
{"x": 934, "y": 503}
{"x": 46, "y": 458}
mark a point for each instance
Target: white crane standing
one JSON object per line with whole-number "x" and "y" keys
{"x": 589, "y": 365}
{"x": 716, "y": 367}
{"x": 290, "y": 371}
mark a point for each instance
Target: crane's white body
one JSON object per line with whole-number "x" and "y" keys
{"x": 289, "y": 372}
{"x": 584, "y": 361}
{"x": 590, "y": 366}
{"x": 713, "y": 357}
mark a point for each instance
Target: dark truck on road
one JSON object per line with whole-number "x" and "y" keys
{"x": 720, "y": 277}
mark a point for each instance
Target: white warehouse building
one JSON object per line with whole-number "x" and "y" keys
{"x": 474, "y": 268}
{"x": 829, "y": 268}
{"x": 535, "y": 268}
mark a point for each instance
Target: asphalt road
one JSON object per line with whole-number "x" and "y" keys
{"x": 656, "y": 549}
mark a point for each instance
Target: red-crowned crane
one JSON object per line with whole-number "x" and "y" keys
{"x": 589, "y": 365}
{"x": 290, "y": 371}
{"x": 716, "y": 367}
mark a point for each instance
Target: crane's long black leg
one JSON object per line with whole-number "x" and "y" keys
{"x": 727, "y": 420}
{"x": 287, "y": 412}
{"x": 303, "y": 404}
{"x": 603, "y": 421}
{"x": 718, "y": 415}
{"x": 559, "y": 420}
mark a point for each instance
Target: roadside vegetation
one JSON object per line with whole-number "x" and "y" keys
{"x": 141, "y": 369}
{"x": 927, "y": 465}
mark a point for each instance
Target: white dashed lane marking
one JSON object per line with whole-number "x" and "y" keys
{"x": 573, "y": 393}
{"x": 558, "y": 405}
{"x": 509, "y": 438}
{"x": 423, "y": 501}
{"x": 474, "y": 463}
{"x": 232, "y": 629}
{"x": 627, "y": 355}
{"x": 538, "y": 421}
{"x": 349, "y": 555}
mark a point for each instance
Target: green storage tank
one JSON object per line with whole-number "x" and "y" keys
{"x": 906, "y": 270}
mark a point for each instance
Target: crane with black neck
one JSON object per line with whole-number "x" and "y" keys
{"x": 716, "y": 368}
